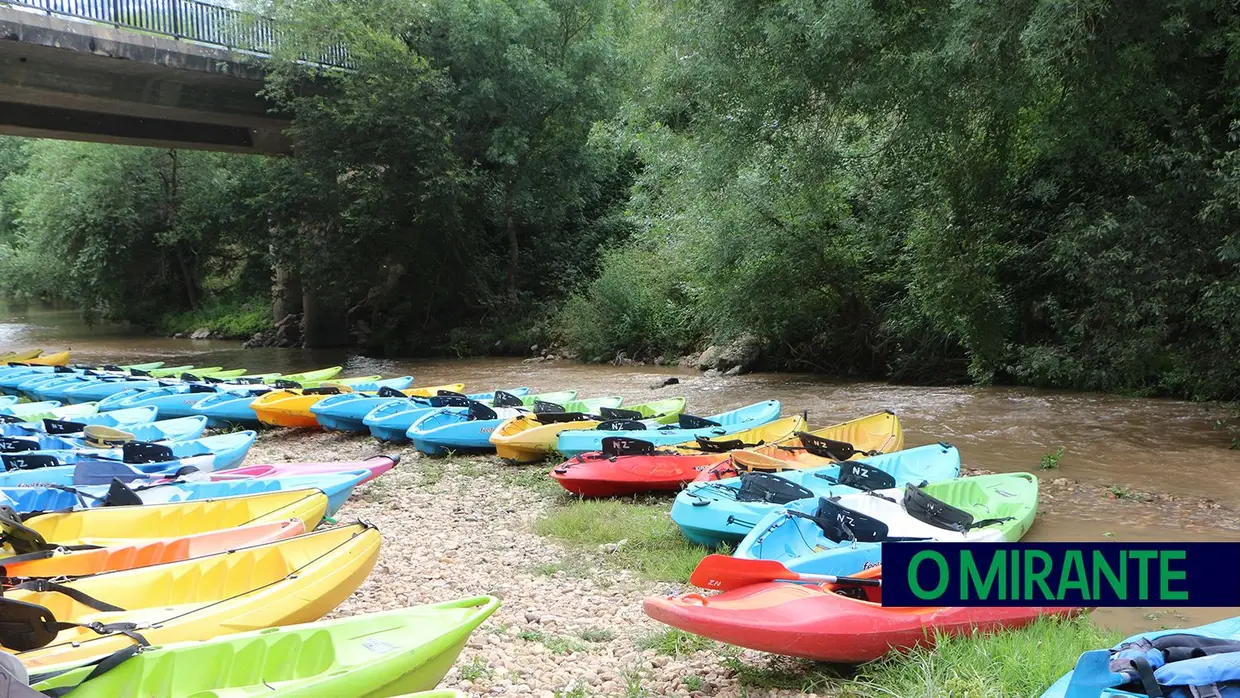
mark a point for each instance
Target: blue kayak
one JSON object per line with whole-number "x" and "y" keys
{"x": 225, "y": 409}
{"x": 469, "y": 429}
{"x": 117, "y": 419}
{"x": 6, "y": 400}
{"x": 1201, "y": 661}
{"x": 100, "y": 388}
{"x": 843, "y": 534}
{"x": 26, "y": 500}
{"x": 689, "y": 428}
{"x": 345, "y": 412}
{"x": 724, "y": 511}
{"x": 206, "y": 454}
{"x": 171, "y": 400}
{"x": 182, "y": 429}
{"x": 390, "y": 420}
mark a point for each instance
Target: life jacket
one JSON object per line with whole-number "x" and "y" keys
{"x": 1179, "y": 665}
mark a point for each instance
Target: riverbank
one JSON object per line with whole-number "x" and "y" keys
{"x": 572, "y": 624}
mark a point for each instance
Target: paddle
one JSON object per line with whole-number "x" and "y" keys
{"x": 723, "y": 572}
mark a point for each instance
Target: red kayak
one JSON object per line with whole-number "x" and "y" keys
{"x": 598, "y": 475}
{"x": 819, "y": 623}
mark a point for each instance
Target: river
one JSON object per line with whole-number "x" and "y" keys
{"x": 1148, "y": 445}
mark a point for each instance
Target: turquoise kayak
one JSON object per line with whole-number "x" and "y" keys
{"x": 688, "y": 428}
{"x": 390, "y": 420}
{"x": 182, "y": 429}
{"x": 209, "y": 453}
{"x": 31, "y": 499}
{"x": 173, "y": 400}
{"x": 724, "y": 511}
{"x": 117, "y": 419}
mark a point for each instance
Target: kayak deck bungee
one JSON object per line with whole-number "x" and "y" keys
{"x": 375, "y": 654}
{"x": 724, "y": 511}
{"x": 392, "y": 419}
{"x": 805, "y": 537}
{"x": 345, "y": 412}
{"x": 121, "y": 524}
{"x": 618, "y": 472}
{"x": 530, "y": 438}
{"x": 54, "y": 560}
{"x": 688, "y": 428}
{"x": 295, "y": 580}
{"x": 828, "y": 623}
{"x": 869, "y": 435}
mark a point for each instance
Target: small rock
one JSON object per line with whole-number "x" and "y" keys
{"x": 201, "y": 333}
{"x": 531, "y": 617}
{"x": 665, "y": 382}
{"x": 734, "y": 371}
{"x": 708, "y": 358}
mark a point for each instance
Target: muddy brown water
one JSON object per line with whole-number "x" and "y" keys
{"x": 1149, "y": 445}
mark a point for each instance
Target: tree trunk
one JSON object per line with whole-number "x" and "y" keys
{"x": 514, "y": 247}
{"x": 322, "y": 323}
{"x": 285, "y": 293}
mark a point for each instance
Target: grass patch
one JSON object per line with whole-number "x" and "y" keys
{"x": 982, "y": 666}
{"x": 477, "y": 668}
{"x": 674, "y": 642}
{"x": 225, "y": 319}
{"x": 1050, "y": 459}
{"x": 692, "y": 683}
{"x": 1118, "y": 492}
{"x": 558, "y": 644}
{"x": 654, "y": 546}
{"x": 785, "y": 673}
{"x": 578, "y": 691}
{"x": 532, "y": 477}
{"x": 430, "y": 471}
{"x": 597, "y": 635}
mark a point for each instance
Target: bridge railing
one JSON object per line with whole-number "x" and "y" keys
{"x": 191, "y": 20}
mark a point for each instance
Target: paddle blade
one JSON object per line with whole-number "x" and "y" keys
{"x": 722, "y": 572}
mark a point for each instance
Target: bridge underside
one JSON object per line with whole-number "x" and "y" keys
{"x": 83, "y": 81}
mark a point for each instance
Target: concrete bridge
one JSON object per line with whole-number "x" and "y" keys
{"x": 163, "y": 73}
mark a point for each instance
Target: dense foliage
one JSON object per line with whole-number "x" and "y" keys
{"x": 1033, "y": 191}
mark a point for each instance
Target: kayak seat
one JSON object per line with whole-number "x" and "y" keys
{"x": 199, "y": 388}
{"x": 560, "y": 417}
{"x": 28, "y": 461}
{"x": 614, "y": 446}
{"x": 389, "y": 391}
{"x": 826, "y": 448}
{"x": 619, "y": 413}
{"x": 506, "y": 399}
{"x": 839, "y": 523}
{"x": 543, "y": 407}
{"x": 479, "y": 411}
{"x": 865, "y": 477}
{"x": 444, "y": 401}
{"x": 12, "y": 444}
{"x": 138, "y": 452}
{"x": 688, "y": 421}
{"x": 935, "y": 512}
{"x": 62, "y": 426}
{"x": 772, "y": 489}
{"x": 621, "y": 425}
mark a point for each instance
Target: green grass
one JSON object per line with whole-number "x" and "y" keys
{"x": 654, "y": 546}
{"x": 674, "y": 642}
{"x": 229, "y": 319}
{"x": 979, "y": 666}
{"x": 558, "y": 644}
{"x": 430, "y": 471}
{"x": 477, "y": 668}
{"x": 1125, "y": 493}
{"x": 597, "y": 635}
{"x": 530, "y": 477}
{"x": 578, "y": 691}
{"x": 692, "y": 683}
{"x": 1050, "y": 459}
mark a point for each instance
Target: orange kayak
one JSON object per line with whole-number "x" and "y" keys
{"x": 819, "y": 622}
{"x": 142, "y": 552}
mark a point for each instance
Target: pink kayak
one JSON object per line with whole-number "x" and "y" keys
{"x": 377, "y": 466}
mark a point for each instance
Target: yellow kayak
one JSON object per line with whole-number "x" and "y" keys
{"x": 19, "y": 356}
{"x": 296, "y": 580}
{"x": 876, "y": 433}
{"x": 530, "y": 438}
{"x": 106, "y": 526}
{"x": 60, "y": 358}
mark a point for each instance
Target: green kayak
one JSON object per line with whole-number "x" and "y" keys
{"x": 379, "y": 654}
{"x": 321, "y": 374}
{"x": 49, "y": 409}
{"x": 173, "y": 371}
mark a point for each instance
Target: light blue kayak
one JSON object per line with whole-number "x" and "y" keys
{"x": 6, "y": 400}
{"x": 228, "y": 408}
{"x": 182, "y": 429}
{"x": 469, "y": 429}
{"x": 724, "y": 511}
{"x": 171, "y": 400}
{"x": 1183, "y": 662}
{"x": 117, "y": 419}
{"x": 99, "y": 389}
{"x": 689, "y": 427}
{"x": 209, "y": 453}
{"x": 25, "y": 500}
{"x": 843, "y": 534}
{"x": 27, "y": 384}
{"x": 345, "y": 412}
{"x": 390, "y": 420}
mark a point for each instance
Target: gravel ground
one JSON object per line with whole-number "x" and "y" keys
{"x": 453, "y": 529}
{"x": 456, "y": 528}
